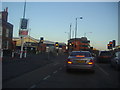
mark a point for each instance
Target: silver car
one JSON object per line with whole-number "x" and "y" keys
{"x": 80, "y": 60}
{"x": 115, "y": 61}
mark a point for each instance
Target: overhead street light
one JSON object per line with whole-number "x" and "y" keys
{"x": 76, "y": 30}
{"x": 76, "y": 26}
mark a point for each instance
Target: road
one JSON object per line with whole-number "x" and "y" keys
{"x": 54, "y": 75}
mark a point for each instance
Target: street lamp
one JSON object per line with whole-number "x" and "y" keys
{"x": 76, "y": 26}
{"x": 76, "y": 30}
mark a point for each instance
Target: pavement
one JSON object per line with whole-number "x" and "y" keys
{"x": 14, "y": 67}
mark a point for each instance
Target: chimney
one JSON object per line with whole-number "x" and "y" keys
{"x": 6, "y": 9}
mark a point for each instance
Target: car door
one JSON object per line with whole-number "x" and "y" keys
{"x": 116, "y": 58}
{"x": 113, "y": 61}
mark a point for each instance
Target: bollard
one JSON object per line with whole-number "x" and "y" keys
{"x": 57, "y": 54}
{"x": 21, "y": 54}
{"x": 25, "y": 54}
{"x": 13, "y": 54}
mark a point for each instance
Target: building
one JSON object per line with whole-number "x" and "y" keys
{"x": 119, "y": 23}
{"x": 34, "y": 44}
{"x": 79, "y": 44}
{"x": 7, "y": 31}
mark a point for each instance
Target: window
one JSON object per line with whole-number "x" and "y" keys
{"x": 7, "y": 44}
{"x": 105, "y": 53}
{"x": 117, "y": 54}
{"x": 7, "y": 32}
{"x": 86, "y": 54}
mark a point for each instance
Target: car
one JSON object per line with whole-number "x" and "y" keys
{"x": 80, "y": 60}
{"x": 115, "y": 61}
{"x": 104, "y": 56}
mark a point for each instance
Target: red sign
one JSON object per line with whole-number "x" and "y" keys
{"x": 23, "y": 32}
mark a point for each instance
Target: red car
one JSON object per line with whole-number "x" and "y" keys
{"x": 104, "y": 56}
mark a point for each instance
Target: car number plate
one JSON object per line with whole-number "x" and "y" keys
{"x": 80, "y": 61}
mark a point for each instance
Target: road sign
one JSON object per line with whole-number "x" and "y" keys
{"x": 24, "y": 23}
{"x": 23, "y": 33}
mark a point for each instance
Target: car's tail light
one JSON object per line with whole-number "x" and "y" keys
{"x": 80, "y": 56}
{"x": 68, "y": 61}
{"x": 91, "y": 62}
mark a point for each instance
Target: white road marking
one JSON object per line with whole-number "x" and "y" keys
{"x": 106, "y": 73}
{"x": 60, "y": 68}
{"x": 46, "y": 77}
{"x": 55, "y": 72}
{"x": 33, "y": 86}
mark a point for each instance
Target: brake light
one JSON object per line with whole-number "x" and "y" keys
{"x": 91, "y": 62}
{"x": 68, "y": 61}
{"x": 80, "y": 56}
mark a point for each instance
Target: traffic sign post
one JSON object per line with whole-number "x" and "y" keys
{"x": 23, "y": 32}
{"x": 21, "y": 52}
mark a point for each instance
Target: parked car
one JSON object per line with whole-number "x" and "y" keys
{"x": 104, "y": 56}
{"x": 80, "y": 60}
{"x": 115, "y": 61}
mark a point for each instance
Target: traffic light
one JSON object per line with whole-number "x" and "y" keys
{"x": 70, "y": 43}
{"x": 56, "y": 44}
{"x": 108, "y": 46}
{"x": 41, "y": 40}
{"x": 91, "y": 48}
{"x": 114, "y": 43}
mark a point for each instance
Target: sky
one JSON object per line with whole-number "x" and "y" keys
{"x": 52, "y": 19}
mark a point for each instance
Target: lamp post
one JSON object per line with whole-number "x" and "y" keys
{"x": 76, "y": 26}
{"x": 76, "y": 30}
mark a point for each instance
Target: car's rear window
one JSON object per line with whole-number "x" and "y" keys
{"x": 105, "y": 53}
{"x": 86, "y": 54}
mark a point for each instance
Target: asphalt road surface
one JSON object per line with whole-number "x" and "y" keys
{"x": 54, "y": 75}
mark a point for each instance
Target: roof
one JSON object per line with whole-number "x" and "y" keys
{"x": 80, "y": 51}
{"x": 37, "y": 40}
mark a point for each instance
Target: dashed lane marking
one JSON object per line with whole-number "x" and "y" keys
{"x": 33, "y": 86}
{"x": 60, "y": 68}
{"x": 55, "y": 72}
{"x": 106, "y": 73}
{"x": 46, "y": 77}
